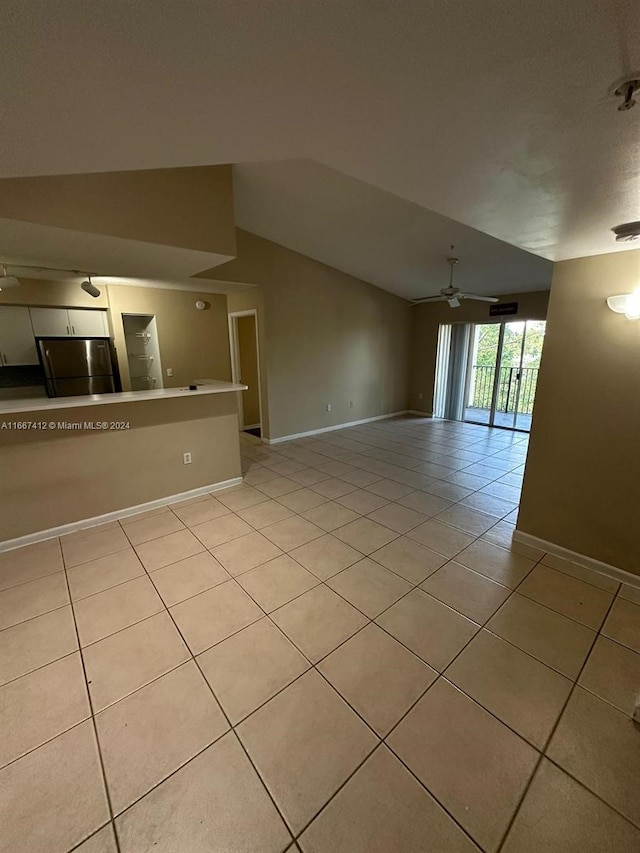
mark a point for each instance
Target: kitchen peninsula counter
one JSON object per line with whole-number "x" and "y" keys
{"x": 43, "y": 404}
{"x": 71, "y": 462}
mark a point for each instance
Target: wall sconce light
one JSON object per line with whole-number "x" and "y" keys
{"x": 627, "y": 304}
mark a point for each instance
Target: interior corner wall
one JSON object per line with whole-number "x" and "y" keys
{"x": 331, "y": 339}
{"x": 582, "y": 479}
{"x": 426, "y": 321}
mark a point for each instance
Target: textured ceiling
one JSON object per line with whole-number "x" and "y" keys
{"x": 495, "y": 115}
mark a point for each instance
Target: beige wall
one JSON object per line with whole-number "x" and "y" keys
{"x": 426, "y": 321}
{"x": 52, "y": 294}
{"x": 582, "y": 481}
{"x": 248, "y": 353}
{"x": 57, "y": 477}
{"x": 330, "y": 338}
{"x": 194, "y": 344}
{"x": 190, "y": 208}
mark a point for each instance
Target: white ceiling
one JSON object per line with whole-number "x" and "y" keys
{"x": 401, "y": 246}
{"x": 497, "y": 115}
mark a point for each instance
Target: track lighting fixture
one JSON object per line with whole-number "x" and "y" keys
{"x": 90, "y": 288}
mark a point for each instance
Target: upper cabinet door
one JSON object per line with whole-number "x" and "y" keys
{"x": 17, "y": 346}
{"x": 50, "y": 322}
{"x": 86, "y": 323}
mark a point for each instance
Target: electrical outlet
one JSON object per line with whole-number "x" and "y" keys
{"x": 186, "y": 458}
{"x": 169, "y": 371}
{"x": 351, "y": 404}
{"x": 328, "y": 407}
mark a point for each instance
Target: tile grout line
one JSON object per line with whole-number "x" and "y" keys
{"x": 91, "y": 709}
{"x": 442, "y": 674}
{"x": 370, "y": 621}
{"x": 370, "y": 556}
{"x": 543, "y": 752}
{"x": 268, "y": 615}
{"x": 313, "y": 666}
{"x": 322, "y": 581}
{"x": 381, "y": 740}
{"x": 222, "y": 710}
{"x": 77, "y": 847}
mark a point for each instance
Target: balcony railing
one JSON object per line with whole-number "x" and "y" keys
{"x": 508, "y": 398}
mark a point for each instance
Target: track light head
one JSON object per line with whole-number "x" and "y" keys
{"x": 90, "y": 288}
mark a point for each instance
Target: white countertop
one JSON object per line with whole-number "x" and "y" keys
{"x": 211, "y": 386}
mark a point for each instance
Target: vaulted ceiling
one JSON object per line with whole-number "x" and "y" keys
{"x": 493, "y": 116}
{"x": 392, "y": 243}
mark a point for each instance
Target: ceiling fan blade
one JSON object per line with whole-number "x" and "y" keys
{"x": 477, "y": 298}
{"x": 429, "y": 299}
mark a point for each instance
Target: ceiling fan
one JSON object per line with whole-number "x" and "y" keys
{"x": 452, "y": 294}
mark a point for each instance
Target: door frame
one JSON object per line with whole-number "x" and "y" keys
{"x": 496, "y": 379}
{"x": 235, "y": 363}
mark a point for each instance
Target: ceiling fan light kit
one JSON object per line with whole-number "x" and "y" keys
{"x": 452, "y": 294}
{"x": 627, "y": 232}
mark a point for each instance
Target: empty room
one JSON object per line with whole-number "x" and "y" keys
{"x": 320, "y": 426}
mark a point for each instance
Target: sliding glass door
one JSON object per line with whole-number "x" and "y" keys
{"x": 481, "y": 372}
{"x": 502, "y": 373}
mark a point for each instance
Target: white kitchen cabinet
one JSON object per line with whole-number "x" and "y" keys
{"x": 17, "y": 346}
{"x": 69, "y": 323}
{"x": 50, "y": 322}
{"x": 88, "y": 324}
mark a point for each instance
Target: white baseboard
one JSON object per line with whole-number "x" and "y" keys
{"x": 333, "y": 428}
{"x": 251, "y": 426}
{"x": 85, "y": 523}
{"x": 422, "y": 414}
{"x": 612, "y": 572}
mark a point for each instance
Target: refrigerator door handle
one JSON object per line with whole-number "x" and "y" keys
{"x": 47, "y": 355}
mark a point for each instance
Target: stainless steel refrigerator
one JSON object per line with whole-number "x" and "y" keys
{"x": 76, "y": 366}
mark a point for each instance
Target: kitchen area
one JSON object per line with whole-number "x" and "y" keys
{"x": 55, "y": 352}
{"x": 110, "y": 410}
{"x": 59, "y": 338}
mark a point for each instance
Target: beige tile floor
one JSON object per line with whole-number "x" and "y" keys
{"x": 346, "y": 654}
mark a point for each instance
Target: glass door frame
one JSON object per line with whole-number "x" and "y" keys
{"x": 518, "y": 381}
{"x": 497, "y": 377}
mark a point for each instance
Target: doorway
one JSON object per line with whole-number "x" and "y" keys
{"x": 502, "y": 373}
{"x": 487, "y": 373}
{"x": 245, "y": 368}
